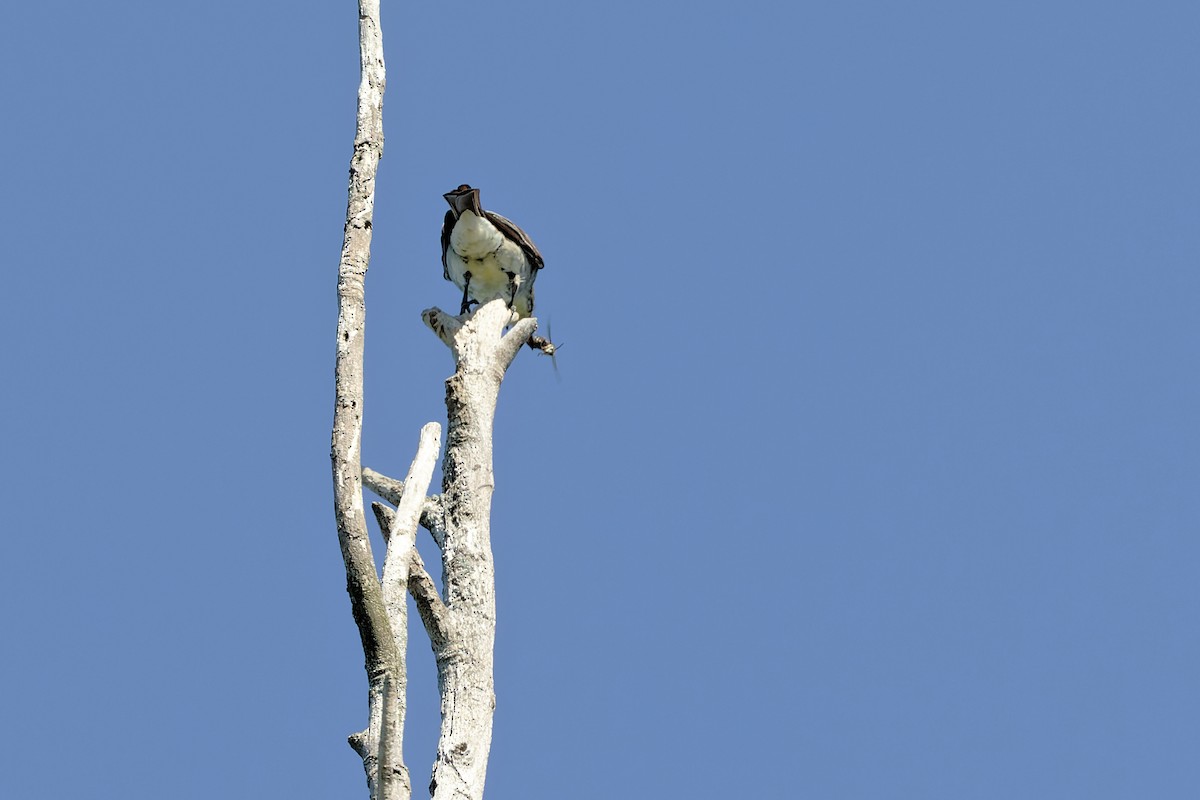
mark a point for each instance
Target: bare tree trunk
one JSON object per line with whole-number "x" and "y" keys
{"x": 482, "y": 354}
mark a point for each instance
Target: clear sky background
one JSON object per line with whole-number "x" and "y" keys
{"x": 873, "y": 467}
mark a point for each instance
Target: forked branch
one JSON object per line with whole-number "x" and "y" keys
{"x": 392, "y": 490}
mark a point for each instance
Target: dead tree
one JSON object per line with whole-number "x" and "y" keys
{"x": 461, "y": 622}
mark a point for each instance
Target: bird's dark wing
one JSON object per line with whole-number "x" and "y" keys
{"x": 447, "y": 226}
{"x": 509, "y": 229}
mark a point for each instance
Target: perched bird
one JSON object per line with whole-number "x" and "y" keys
{"x": 486, "y": 255}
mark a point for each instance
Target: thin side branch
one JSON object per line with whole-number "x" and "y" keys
{"x": 430, "y": 607}
{"x": 384, "y": 516}
{"x": 392, "y": 490}
{"x": 389, "y": 489}
{"x": 446, "y": 326}
{"x": 511, "y": 344}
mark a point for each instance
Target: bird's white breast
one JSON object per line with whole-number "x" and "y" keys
{"x": 474, "y": 237}
{"x": 476, "y": 246}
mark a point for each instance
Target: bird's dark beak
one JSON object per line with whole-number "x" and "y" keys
{"x": 464, "y": 198}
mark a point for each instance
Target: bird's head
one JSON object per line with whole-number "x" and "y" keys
{"x": 464, "y": 198}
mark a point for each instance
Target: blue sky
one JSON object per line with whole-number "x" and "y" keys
{"x": 872, "y": 471}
